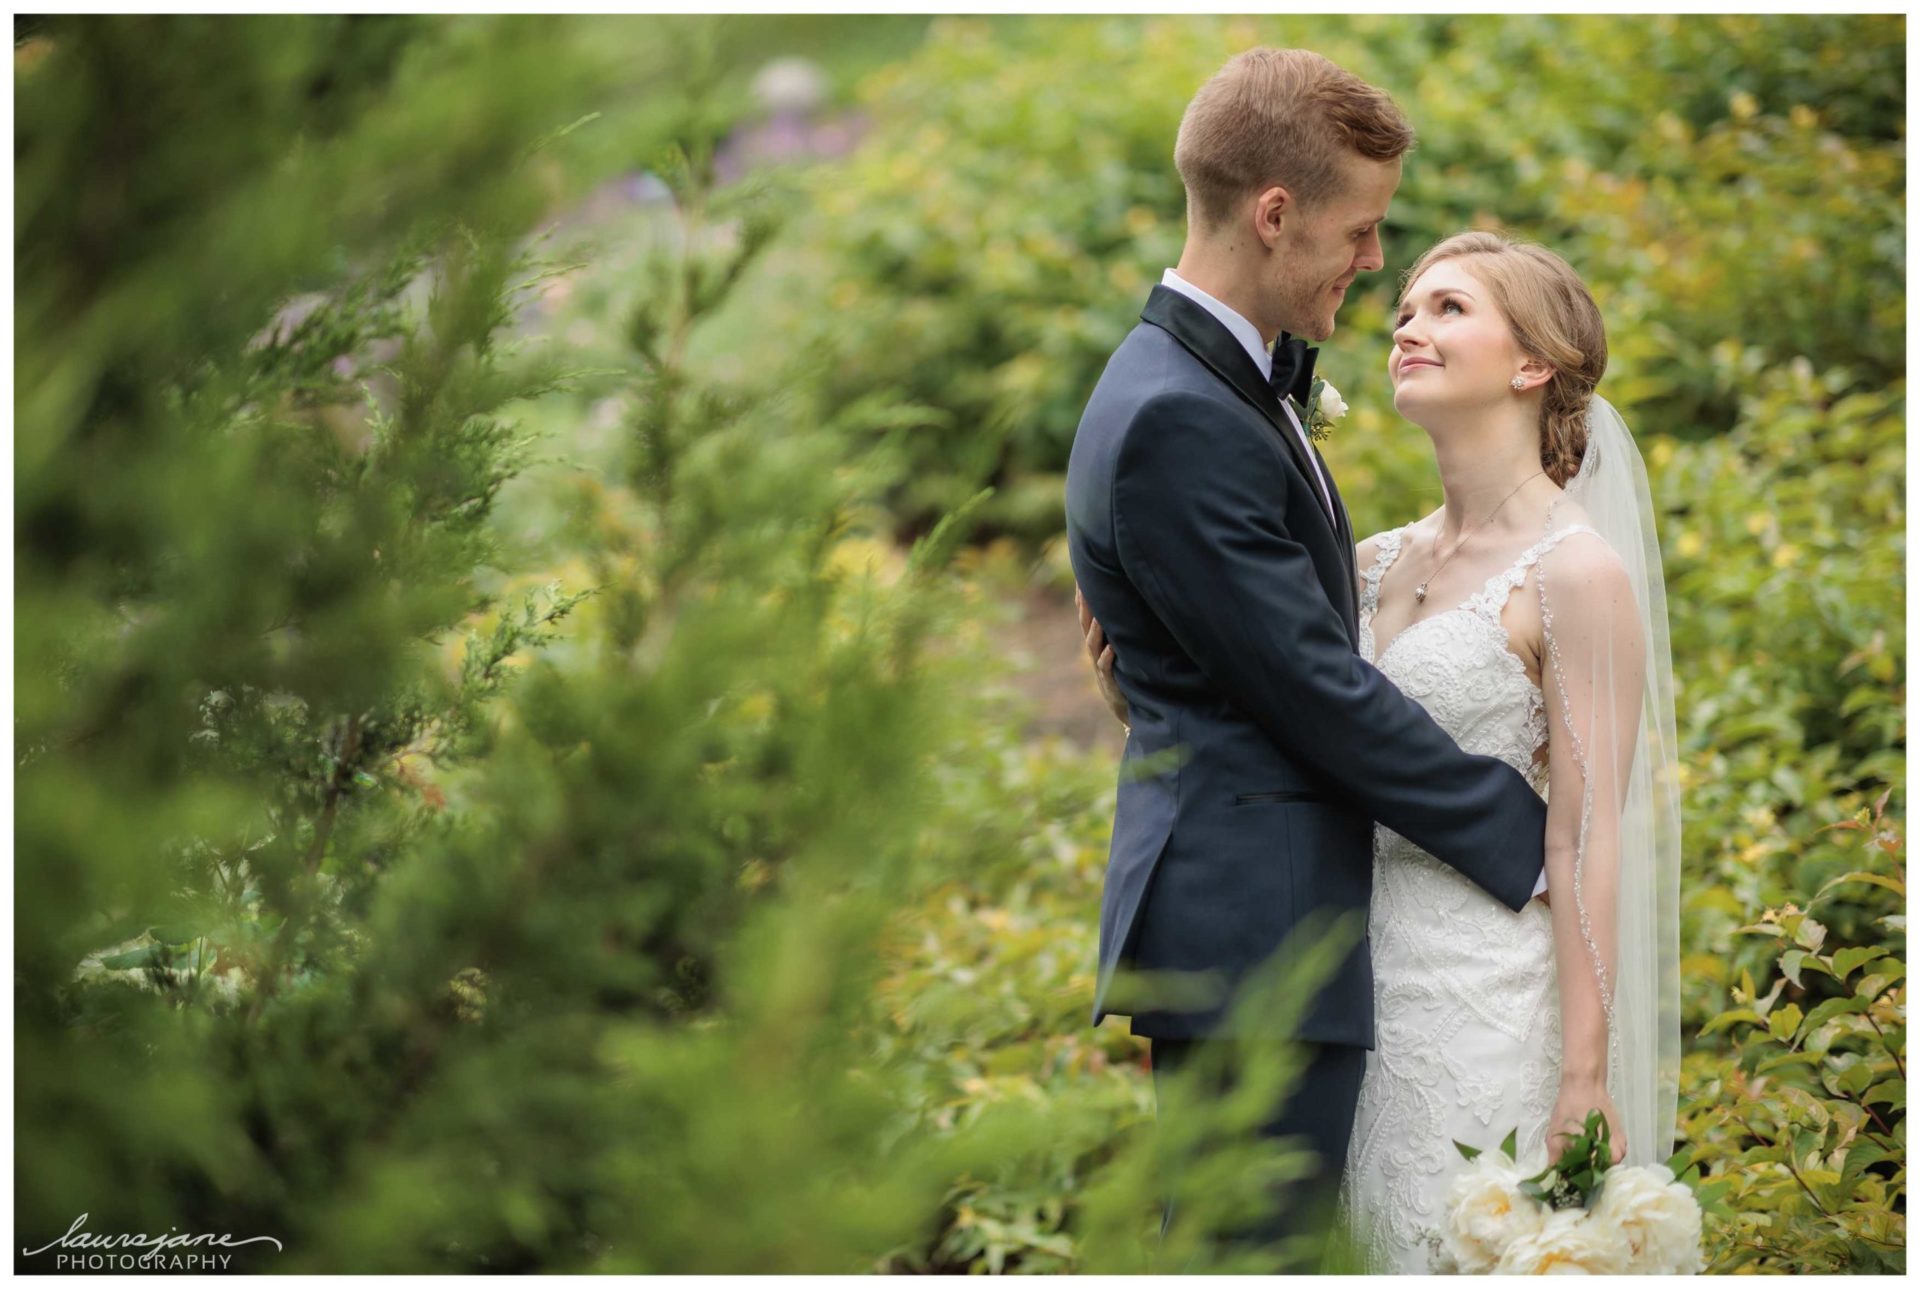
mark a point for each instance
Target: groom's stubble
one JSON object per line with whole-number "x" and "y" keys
{"x": 1325, "y": 247}
{"x": 1288, "y": 266}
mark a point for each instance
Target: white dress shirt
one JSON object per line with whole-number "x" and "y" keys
{"x": 1249, "y": 337}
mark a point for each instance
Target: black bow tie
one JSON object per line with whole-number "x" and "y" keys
{"x": 1292, "y": 369}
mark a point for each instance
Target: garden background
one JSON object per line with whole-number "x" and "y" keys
{"x": 537, "y": 749}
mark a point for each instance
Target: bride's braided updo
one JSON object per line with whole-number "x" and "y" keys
{"x": 1554, "y": 319}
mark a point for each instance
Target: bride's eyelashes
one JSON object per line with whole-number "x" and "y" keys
{"x": 1405, "y": 314}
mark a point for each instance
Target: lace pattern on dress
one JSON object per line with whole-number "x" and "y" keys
{"x": 1467, "y": 1030}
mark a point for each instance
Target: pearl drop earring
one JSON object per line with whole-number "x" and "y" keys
{"x": 1518, "y": 383}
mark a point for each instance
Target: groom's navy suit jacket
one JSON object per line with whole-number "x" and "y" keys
{"x": 1202, "y": 544}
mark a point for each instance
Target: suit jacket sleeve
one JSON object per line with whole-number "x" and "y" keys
{"x": 1201, "y": 527}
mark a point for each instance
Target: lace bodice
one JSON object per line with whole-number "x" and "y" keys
{"x": 1467, "y": 1035}
{"x": 1458, "y": 665}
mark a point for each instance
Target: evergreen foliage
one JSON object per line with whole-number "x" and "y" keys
{"x": 343, "y": 921}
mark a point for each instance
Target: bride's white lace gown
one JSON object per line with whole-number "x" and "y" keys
{"x": 1467, "y": 1012}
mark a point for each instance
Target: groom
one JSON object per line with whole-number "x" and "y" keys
{"x": 1210, "y": 543}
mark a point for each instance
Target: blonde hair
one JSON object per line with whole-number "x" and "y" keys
{"x": 1553, "y": 318}
{"x": 1280, "y": 116}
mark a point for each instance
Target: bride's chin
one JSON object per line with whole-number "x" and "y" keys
{"x": 1421, "y": 407}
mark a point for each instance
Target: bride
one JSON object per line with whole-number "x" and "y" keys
{"x": 1527, "y": 615}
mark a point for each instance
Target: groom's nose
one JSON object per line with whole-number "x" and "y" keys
{"x": 1371, "y": 258}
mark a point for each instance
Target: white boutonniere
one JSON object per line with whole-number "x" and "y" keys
{"x": 1324, "y": 407}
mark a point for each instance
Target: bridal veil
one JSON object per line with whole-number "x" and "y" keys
{"x": 1613, "y": 670}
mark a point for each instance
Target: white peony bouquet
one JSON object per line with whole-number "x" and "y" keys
{"x": 1578, "y": 1216}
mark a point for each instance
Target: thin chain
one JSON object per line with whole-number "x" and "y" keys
{"x": 1420, "y": 591}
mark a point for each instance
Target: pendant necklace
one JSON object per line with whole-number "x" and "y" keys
{"x": 1420, "y": 591}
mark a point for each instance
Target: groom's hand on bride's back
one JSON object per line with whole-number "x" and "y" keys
{"x": 1101, "y": 654}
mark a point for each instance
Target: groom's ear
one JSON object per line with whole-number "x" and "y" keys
{"x": 1272, "y": 207}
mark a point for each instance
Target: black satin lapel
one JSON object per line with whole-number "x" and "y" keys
{"x": 1342, "y": 521}
{"x": 1343, "y": 524}
{"x": 1215, "y": 346}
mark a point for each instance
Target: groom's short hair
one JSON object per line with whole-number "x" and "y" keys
{"x": 1280, "y": 116}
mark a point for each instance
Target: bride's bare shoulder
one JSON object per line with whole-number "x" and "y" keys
{"x": 1567, "y": 512}
{"x": 1369, "y": 550}
{"x": 1584, "y": 553}
{"x": 1589, "y": 571}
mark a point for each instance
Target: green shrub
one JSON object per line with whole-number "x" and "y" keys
{"x": 1797, "y": 1116}
{"x": 1784, "y": 559}
{"x": 995, "y": 237}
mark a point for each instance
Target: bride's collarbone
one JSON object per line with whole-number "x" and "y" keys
{"x": 1453, "y": 588}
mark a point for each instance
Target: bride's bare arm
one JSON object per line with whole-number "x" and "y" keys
{"x": 1592, "y": 679}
